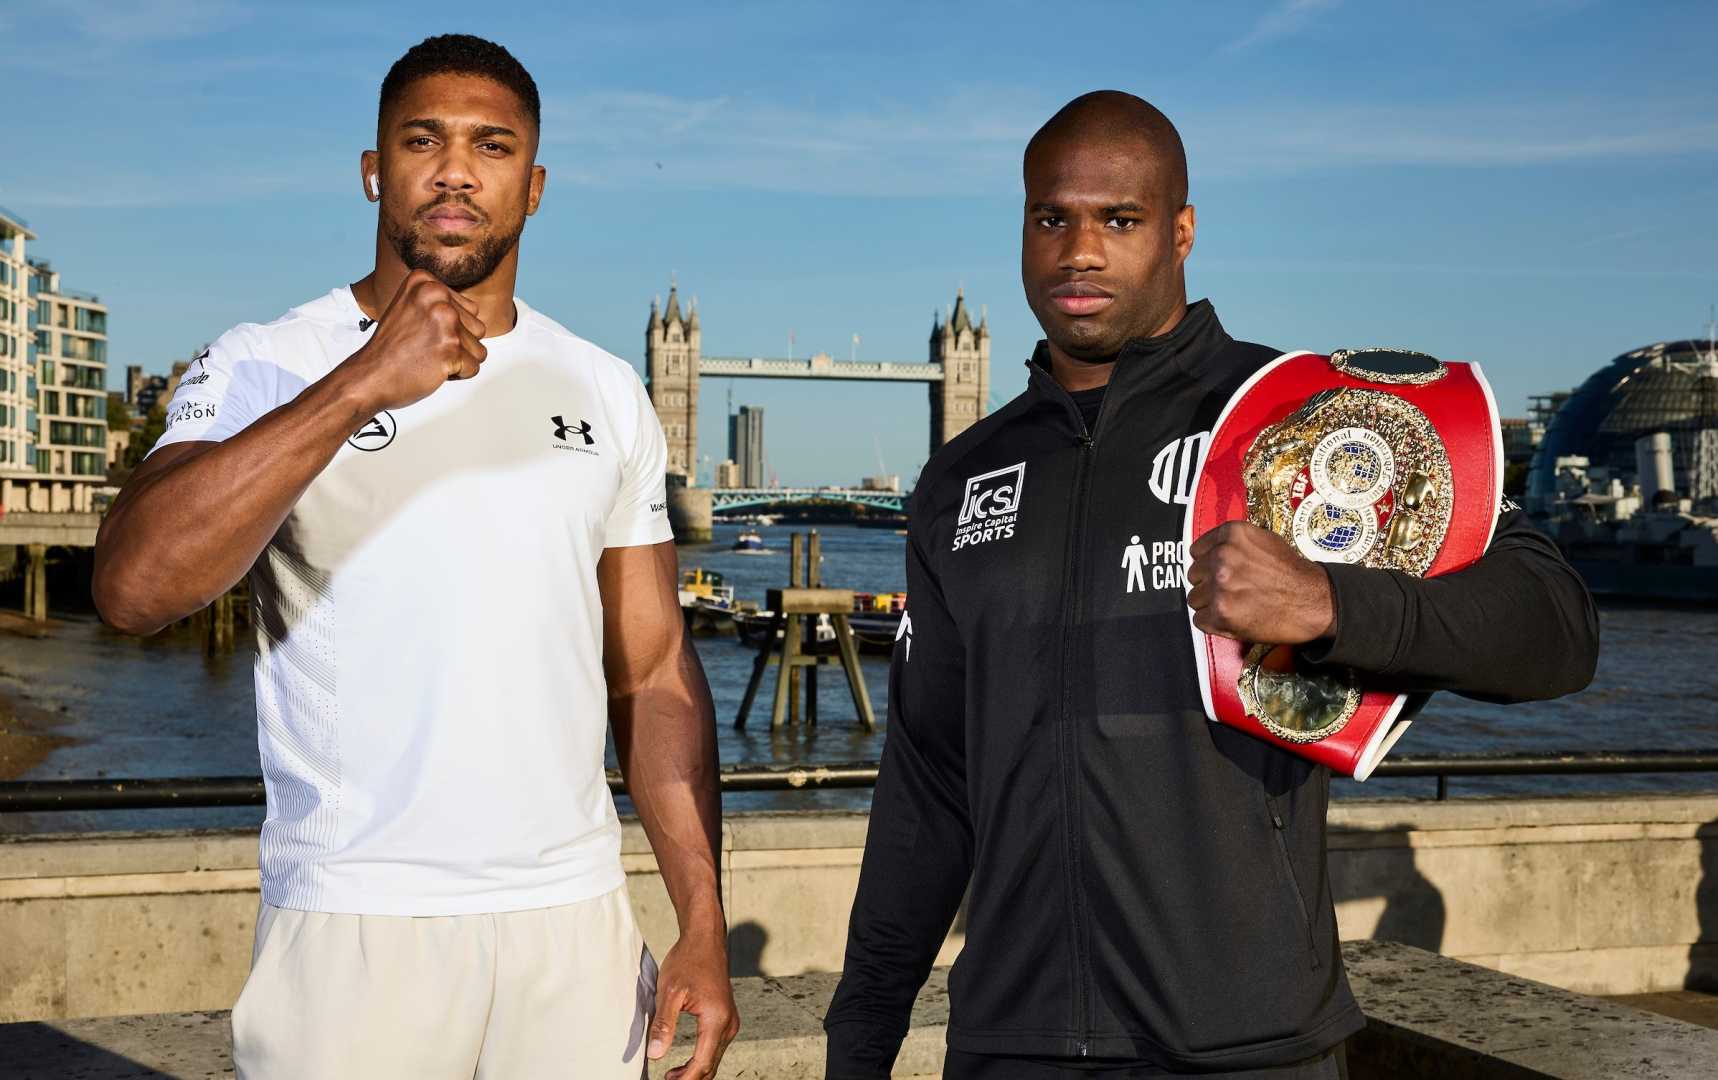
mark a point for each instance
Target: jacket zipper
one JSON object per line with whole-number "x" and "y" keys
{"x": 1067, "y": 738}
{"x": 1279, "y": 828}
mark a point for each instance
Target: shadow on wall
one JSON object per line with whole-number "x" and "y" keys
{"x": 746, "y": 949}
{"x": 1703, "y": 954}
{"x": 746, "y": 943}
{"x": 1414, "y": 912}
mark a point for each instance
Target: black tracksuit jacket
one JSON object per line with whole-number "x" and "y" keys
{"x": 1145, "y": 884}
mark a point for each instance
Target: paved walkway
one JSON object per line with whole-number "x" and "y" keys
{"x": 1428, "y": 1016}
{"x": 1690, "y": 1006}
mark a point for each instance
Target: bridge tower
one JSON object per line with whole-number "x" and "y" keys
{"x": 963, "y": 351}
{"x": 671, "y": 366}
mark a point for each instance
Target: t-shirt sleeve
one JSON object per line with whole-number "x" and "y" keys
{"x": 226, "y": 389}
{"x": 640, "y": 514}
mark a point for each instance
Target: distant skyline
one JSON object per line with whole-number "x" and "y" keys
{"x": 1525, "y": 183}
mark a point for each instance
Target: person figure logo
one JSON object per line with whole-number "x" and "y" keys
{"x": 1133, "y": 559}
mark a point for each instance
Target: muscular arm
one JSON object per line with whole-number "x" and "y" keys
{"x": 1517, "y": 625}
{"x": 665, "y": 735}
{"x": 195, "y": 515}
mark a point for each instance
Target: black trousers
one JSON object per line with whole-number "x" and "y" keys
{"x": 962, "y": 1066}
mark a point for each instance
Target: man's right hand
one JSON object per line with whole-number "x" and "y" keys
{"x": 427, "y": 335}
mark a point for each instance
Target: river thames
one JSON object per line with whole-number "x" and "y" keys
{"x": 124, "y": 707}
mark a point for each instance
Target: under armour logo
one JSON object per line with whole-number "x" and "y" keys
{"x": 563, "y": 430}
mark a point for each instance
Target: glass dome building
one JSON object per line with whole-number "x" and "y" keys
{"x": 1669, "y": 387}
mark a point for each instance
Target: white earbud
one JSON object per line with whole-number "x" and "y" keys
{"x": 375, "y": 186}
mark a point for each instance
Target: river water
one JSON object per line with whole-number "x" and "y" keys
{"x": 157, "y": 707}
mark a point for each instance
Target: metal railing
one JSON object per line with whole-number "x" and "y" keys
{"x": 36, "y": 796}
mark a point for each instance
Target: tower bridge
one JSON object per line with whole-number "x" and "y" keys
{"x": 957, "y": 375}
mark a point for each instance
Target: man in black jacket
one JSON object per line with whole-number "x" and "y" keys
{"x": 1148, "y": 890}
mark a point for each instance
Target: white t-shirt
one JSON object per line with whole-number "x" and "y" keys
{"x": 431, "y": 707}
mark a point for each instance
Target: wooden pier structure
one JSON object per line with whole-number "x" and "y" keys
{"x": 797, "y": 610}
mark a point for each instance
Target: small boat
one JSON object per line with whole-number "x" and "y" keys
{"x": 707, "y": 601}
{"x": 754, "y": 630}
{"x": 753, "y": 626}
{"x": 875, "y": 621}
{"x": 750, "y": 542}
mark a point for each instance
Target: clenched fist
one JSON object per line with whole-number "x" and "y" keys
{"x": 427, "y": 335}
{"x": 1248, "y": 584}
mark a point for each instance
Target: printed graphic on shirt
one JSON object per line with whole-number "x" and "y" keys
{"x": 904, "y": 632}
{"x": 190, "y": 410}
{"x": 376, "y": 434}
{"x": 1165, "y": 561}
{"x": 1172, "y": 469}
{"x": 990, "y": 507}
{"x": 566, "y": 433}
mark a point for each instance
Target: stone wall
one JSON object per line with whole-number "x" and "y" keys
{"x": 1606, "y": 896}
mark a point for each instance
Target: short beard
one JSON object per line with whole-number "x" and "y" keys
{"x": 471, "y": 268}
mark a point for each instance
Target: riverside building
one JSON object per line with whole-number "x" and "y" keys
{"x": 53, "y": 383}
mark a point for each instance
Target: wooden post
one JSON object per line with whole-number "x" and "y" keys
{"x": 759, "y": 666}
{"x": 787, "y": 680}
{"x": 855, "y": 676}
{"x": 220, "y": 637}
{"x": 795, "y": 636}
{"x": 36, "y": 589}
{"x": 29, "y": 576}
{"x": 813, "y": 578}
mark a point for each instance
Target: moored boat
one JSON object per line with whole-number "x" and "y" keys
{"x": 707, "y": 601}
{"x": 750, "y": 542}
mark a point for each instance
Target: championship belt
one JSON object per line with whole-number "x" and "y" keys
{"x": 1371, "y": 457}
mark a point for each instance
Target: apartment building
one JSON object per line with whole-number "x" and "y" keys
{"x": 53, "y": 383}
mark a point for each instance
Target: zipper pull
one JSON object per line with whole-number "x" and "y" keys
{"x": 1277, "y": 819}
{"x": 1084, "y": 1049}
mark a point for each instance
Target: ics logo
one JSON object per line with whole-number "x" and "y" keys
{"x": 990, "y": 506}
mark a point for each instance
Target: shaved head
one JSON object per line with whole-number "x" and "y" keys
{"x": 1115, "y": 116}
{"x": 1106, "y": 232}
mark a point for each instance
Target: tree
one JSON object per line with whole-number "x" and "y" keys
{"x": 118, "y": 412}
{"x": 143, "y": 439}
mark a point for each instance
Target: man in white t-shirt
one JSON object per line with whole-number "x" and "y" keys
{"x": 453, "y": 514}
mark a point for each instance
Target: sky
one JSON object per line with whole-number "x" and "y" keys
{"x": 1530, "y": 184}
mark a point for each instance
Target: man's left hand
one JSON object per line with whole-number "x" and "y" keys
{"x": 1248, "y": 584}
{"x": 694, "y": 979}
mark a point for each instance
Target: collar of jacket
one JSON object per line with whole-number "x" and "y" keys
{"x": 1192, "y": 351}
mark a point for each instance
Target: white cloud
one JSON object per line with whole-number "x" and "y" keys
{"x": 1310, "y": 137}
{"x": 970, "y": 143}
{"x": 204, "y": 186}
{"x": 1286, "y": 18}
{"x": 130, "y": 22}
